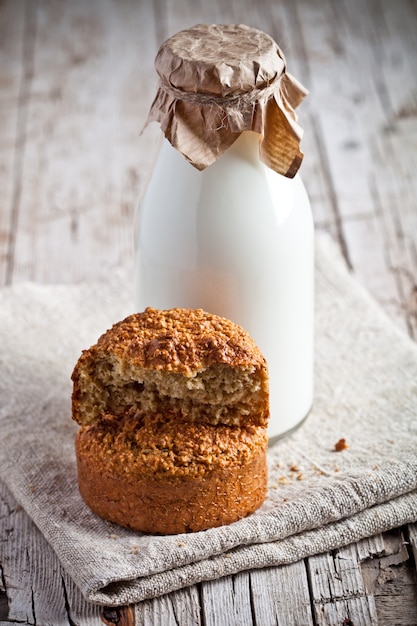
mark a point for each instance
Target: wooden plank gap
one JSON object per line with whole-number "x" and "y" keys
{"x": 4, "y": 601}
{"x": 310, "y": 585}
{"x": 411, "y": 537}
{"x": 252, "y": 599}
{"x": 66, "y": 602}
{"x": 200, "y": 596}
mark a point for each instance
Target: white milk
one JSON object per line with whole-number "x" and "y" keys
{"x": 237, "y": 240}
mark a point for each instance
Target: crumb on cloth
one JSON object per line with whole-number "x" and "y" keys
{"x": 340, "y": 445}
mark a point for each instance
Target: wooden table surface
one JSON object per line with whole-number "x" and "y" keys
{"x": 76, "y": 81}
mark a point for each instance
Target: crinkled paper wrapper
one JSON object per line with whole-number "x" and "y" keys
{"x": 319, "y": 499}
{"x": 234, "y": 80}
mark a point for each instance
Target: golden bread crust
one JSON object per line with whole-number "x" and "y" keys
{"x": 180, "y": 340}
{"x": 176, "y": 479}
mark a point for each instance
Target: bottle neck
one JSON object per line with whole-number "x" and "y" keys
{"x": 246, "y": 147}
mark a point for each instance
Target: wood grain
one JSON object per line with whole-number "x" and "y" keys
{"x": 281, "y": 595}
{"x": 12, "y": 94}
{"x": 391, "y": 579}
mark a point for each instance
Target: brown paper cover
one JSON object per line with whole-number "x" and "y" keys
{"x": 217, "y": 81}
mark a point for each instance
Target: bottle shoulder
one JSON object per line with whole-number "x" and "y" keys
{"x": 237, "y": 182}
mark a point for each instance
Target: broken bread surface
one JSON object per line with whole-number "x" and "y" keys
{"x": 173, "y": 407}
{"x": 202, "y": 367}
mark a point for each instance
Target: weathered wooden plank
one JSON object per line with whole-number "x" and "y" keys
{"x": 84, "y": 164}
{"x": 393, "y": 31}
{"x": 288, "y": 23}
{"x": 179, "y": 608}
{"x": 351, "y": 122}
{"x": 392, "y": 145}
{"x": 4, "y": 604}
{"x": 393, "y": 155}
{"x": 391, "y": 578}
{"x": 79, "y": 611}
{"x": 339, "y": 92}
{"x": 280, "y": 595}
{"x": 395, "y": 188}
{"x": 338, "y": 590}
{"x": 36, "y": 590}
{"x": 225, "y": 602}
{"x": 412, "y": 534}
{"x": 14, "y": 47}
{"x": 24, "y": 567}
{"x": 372, "y": 265}
{"x": 370, "y": 547}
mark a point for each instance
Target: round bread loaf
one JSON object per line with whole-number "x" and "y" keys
{"x": 165, "y": 476}
{"x": 174, "y": 407}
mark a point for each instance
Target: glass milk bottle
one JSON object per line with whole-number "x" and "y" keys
{"x": 225, "y": 223}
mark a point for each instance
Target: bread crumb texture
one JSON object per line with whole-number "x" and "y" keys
{"x": 160, "y": 445}
{"x": 202, "y": 367}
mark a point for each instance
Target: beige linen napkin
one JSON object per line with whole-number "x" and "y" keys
{"x": 319, "y": 498}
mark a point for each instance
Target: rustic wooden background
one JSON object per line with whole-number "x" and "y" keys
{"x": 76, "y": 81}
